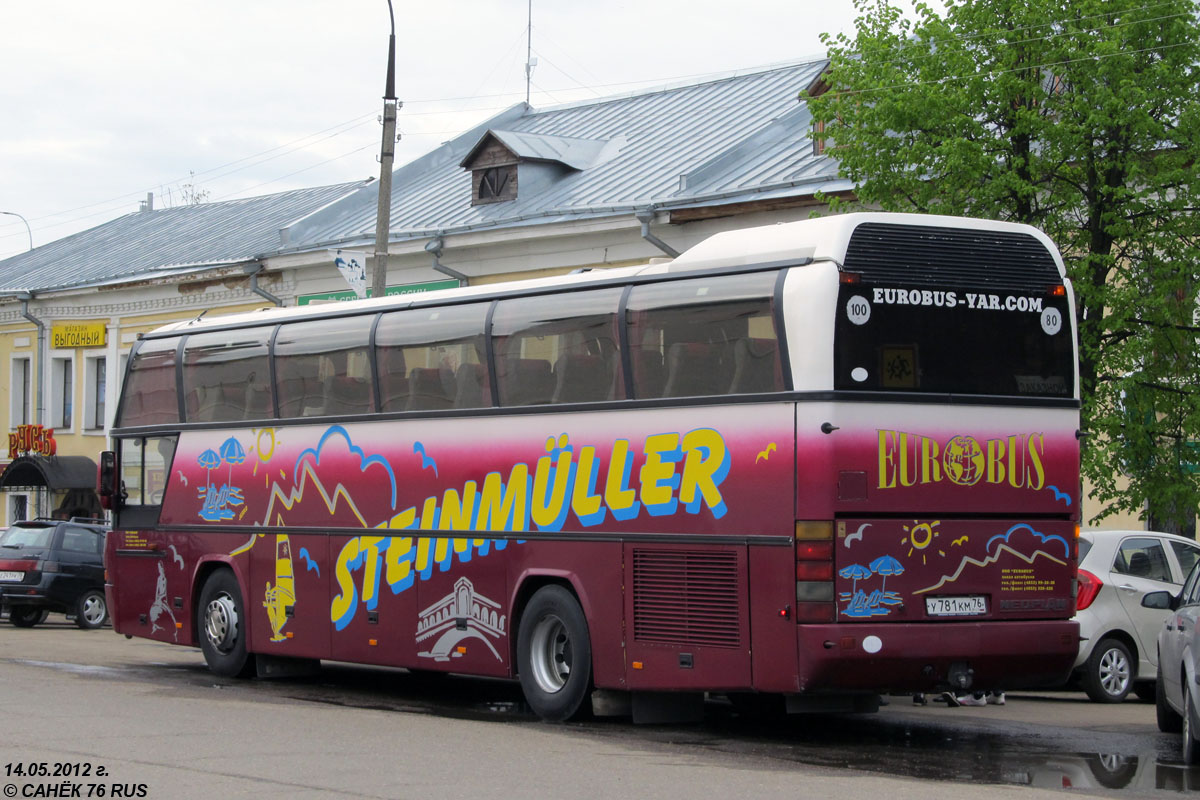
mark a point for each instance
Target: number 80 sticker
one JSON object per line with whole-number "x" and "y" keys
{"x": 1052, "y": 321}
{"x": 858, "y": 310}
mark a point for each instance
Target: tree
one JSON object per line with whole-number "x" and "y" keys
{"x": 1078, "y": 117}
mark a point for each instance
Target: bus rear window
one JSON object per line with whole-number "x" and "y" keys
{"x": 895, "y": 339}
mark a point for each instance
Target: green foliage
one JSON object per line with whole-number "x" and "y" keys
{"x": 1079, "y": 117}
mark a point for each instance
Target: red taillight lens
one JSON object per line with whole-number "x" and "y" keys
{"x": 814, "y": 551}
{"x": 814, "y": 571}
{"x": 1089, "y": 587}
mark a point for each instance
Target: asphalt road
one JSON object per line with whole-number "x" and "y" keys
{"x": 159, "y": 725}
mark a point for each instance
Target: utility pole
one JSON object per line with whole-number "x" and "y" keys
{"x": 386, "y": 155}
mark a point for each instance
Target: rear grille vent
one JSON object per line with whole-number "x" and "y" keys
{"x": 686, "y": 597}
{"x": 919, "y": 255}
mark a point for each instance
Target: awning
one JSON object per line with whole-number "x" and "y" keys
{"x": 54, "y": 472}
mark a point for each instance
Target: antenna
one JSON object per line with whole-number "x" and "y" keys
{"x": 530, "y": 61}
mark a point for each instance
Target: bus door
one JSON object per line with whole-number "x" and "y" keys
{"x": 687, "y": 619}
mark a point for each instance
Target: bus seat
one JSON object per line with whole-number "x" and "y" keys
{"x": 347, "y": 395}
{"x": 526, "y": 382}
{"x": 427, "y": 389}
{"x": 224, "y": 402}
{"x": 694, "y": 369}
{"x": 755, "y": 367}
{"x": 393, "y": 379}
{"x": 296, "y": 385}
{"x": 582, "y": 379}
{"x": 649, "y": 377}
{"x": 470, "y": 388}
{"x": 258, "y": 401}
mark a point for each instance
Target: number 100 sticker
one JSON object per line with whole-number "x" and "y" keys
{"x": 858, "y": 310}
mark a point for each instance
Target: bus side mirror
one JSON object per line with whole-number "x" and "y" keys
{"x": 106, "y": 481}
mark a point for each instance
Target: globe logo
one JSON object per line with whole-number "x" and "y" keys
{"x": 963, "y": 460}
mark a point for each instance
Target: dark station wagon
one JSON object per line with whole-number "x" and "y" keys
{"x": 53, "y": 565}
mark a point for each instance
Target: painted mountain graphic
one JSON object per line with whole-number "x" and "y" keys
{"x": 987, "y": 562}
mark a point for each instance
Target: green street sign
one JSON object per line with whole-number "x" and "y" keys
{"x": 407, "y": 288}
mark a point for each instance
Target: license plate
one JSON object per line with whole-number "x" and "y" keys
{"x": 955, "y": 606}
{"x": 12, "y": 576}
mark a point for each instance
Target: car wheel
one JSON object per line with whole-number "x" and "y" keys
{"x": 91, "y": 611}
{"x": 27, "y": 616}
{"x": 554, "y": 654}
{"x": 1168, "y": 720}
{"x": 1191, "y": 745}
{"x": 222, "y": 626}
{"x": 1108, "y": 676}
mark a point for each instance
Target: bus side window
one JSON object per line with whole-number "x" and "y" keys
{"x": 150, "y": 397}
{"x": 560, "y": 351}
{"x": 322, "y": 367}
{"x": 442, "y": 350}
{"x": 218, "y": 370}
{"x": 709, "y": 336}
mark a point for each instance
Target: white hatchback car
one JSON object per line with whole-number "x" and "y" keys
{"x": 1118, "y": 636}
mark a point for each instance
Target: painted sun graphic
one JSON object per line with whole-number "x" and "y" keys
{"x": 920, "y": 537}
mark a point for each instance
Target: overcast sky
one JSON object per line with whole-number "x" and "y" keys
{"x": 107, "y": 100}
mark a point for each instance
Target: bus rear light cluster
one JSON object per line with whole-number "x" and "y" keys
{"x": 814, "y": 572}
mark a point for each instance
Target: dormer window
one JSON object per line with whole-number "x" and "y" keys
{"x": 502, "y": 159}
{"x": 494, "y": 184}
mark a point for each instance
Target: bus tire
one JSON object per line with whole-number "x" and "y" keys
{"x": 554, "y": 654}
{"x": 1108, "y": 674}
{"x": 222, "y": 626}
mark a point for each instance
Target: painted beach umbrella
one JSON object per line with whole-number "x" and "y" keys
{"x": 886, "y": 565}
{"x": 232, "y": 451}
{"x": 209, "y": 459}
{"x": 855, "y": 572}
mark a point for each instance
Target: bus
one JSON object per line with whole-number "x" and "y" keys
{"x": 807, "y": 464}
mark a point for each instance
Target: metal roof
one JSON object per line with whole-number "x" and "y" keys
{"x": 148, "y": 244}
{"x": 738, "y": 137}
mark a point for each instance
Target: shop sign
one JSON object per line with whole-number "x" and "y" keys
{"x": 32, "y": 439}
{"x": 408, "y": 288}
{"x": 79, "y": 334}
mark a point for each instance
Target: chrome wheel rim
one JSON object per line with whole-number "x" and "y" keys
{"x": 221, "y": 622}
{"x": 93, "y": 609}
{"x": 550, "y": 654}
{"x": 1114, "y": 672}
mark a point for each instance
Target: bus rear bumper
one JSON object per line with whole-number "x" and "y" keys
{"x": 931, "y": 656}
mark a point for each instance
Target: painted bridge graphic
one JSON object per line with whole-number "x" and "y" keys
{"x": 459, "y": 616}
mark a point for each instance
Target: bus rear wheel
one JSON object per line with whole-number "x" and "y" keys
{"x": 222, "y": 626}
{"x": 554, "y": 654}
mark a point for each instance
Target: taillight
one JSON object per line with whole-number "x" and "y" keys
{"x": 1089, "y": 587}
{"x": 814, "y": 572}
{"x": 48, "y": 566}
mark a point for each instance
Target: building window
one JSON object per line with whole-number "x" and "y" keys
{"x": 96, "y": 377}
{"x": 495, "y": 184}
{"x": 21, "y": 380}
{"x": 818, "y": 137}
{"x": 18, "y": 507}
{"x": 62, "y": 393}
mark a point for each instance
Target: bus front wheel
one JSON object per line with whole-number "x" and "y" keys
{"x": 222, "y": 626}
{"x": 554, "y": 654}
